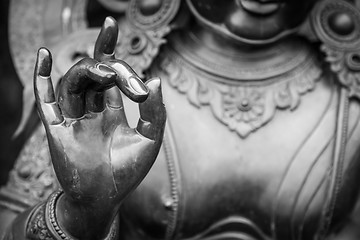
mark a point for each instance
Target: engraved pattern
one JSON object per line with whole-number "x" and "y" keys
{"x": 139, "y": 48}
{"x": 50, "y": 212}
{"x": 342, "y": 49}
{"x": 45, "y": 216}
{"x": 33, "y": 179}
{"x": 172, "y": 162}
{"x": 242, "y": 107}
{"x": 37, "y": 228}
{"x": 346, "y": 64}
{"x": 341, "y": 45}
{"x": 160, "y": 18}
{"x": 337, "y": 164}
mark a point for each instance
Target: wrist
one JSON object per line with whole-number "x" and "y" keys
{"x": 76, "y": 220}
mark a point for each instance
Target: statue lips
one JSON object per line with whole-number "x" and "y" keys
{"x": 260, "y": 7}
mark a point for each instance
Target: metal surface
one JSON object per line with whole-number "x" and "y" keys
{"x": 262, "y": 137}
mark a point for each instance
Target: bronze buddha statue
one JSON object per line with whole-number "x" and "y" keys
{"x": 261, "y": 137}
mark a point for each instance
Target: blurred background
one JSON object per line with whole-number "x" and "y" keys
{"x": 10, "y": 99}
{"x": 11, "y": 88}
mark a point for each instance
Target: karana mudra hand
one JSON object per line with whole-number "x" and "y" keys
{"x": 97, "y": 157}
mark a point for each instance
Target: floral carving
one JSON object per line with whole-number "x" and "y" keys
{"x": 346, "y": 64}
{"x": 244, "y": 105}
{"x": 37, "y": 228}
{"x": 138, "y": 48}
{"x": 243, "y": 108}
{"x": 33, "y": 179}
{"x": 341, "y": 46}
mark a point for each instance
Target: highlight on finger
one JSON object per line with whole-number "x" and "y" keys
{"x": 152, "y": 112}
{"x": 153, "y": 109}
{"x": 129, "y": 82}
{"x": 43, "y": 85}
{"x": 50, "y": 112}
{"x": 81, "y": 88}
{"x": 88, "y": 73}
{"x": 106, "y": 41}
{"x": 43, "y": 63}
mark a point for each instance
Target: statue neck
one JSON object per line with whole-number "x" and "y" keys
{"x": 213, "y": 41}
{"x": 219, "y": 56}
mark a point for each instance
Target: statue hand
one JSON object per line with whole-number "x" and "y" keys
{"x": 97, "y": 157}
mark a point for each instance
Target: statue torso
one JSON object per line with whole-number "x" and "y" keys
{"x": 262, "y": 172}
{"x": 240, "y": 159}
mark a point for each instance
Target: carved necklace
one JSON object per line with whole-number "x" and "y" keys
{"x": 243, "y": 104}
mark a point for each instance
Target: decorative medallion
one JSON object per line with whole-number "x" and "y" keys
{"x": 337, "y": 24}
{"x": 242, "y": 107}
{"x": 139, "y": 47}
{"x": 149, "y": 16}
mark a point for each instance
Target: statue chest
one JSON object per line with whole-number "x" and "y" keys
{"x": 210, "y": 181}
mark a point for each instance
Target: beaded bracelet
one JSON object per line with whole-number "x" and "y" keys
{"x": 50, "y": 211}
{"x": 43, "y": 224}
{"x": 51, "y": 216}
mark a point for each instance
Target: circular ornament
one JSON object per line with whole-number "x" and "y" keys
{"x": 337, "y": 24}
{"x": 152, "y": 14}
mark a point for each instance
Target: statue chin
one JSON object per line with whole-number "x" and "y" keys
{"x": 249, "y": 32}
{"x": 252, "y": 21}
{"x": 239, "y": 28}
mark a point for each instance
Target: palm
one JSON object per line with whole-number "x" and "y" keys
{"x": 84, "y": 147}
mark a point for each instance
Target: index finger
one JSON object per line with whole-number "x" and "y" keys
{"x": 106, "y": 41}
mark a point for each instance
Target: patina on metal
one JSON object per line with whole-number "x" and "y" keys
{"x": 262, "y": 125}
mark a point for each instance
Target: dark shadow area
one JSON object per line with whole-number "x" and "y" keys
{"x": 10, "y": 99}
{"x": 96, "y": 13}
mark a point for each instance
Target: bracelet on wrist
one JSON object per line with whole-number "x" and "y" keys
{"x": 43, "y": 223}
{"x": 51, "y": 217}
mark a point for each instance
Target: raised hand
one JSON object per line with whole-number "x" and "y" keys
{"x": 97, "y": 157}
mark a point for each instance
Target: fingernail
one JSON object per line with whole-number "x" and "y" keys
{"x": 109, "y": 33}
{"x": 105, "y": 70}
{"x": 44, "y": 62}
{"x": 138, "y": 86}
{"x": 109, "y": 21}
{"x": 154, "y": 82}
